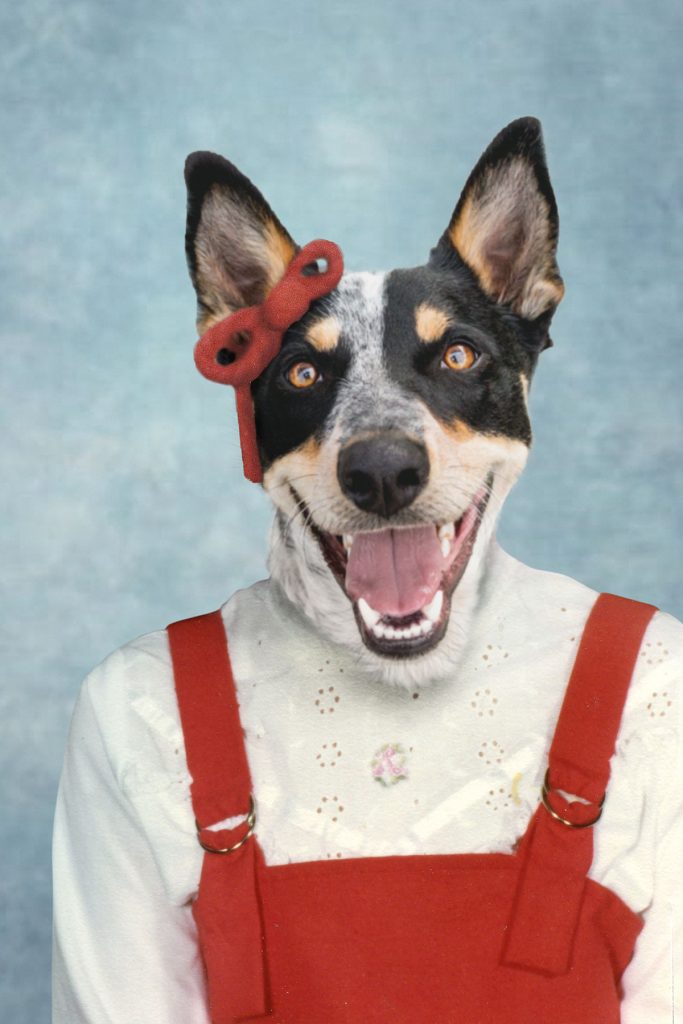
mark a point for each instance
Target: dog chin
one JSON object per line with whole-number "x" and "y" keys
{"x": 300, "y": 566}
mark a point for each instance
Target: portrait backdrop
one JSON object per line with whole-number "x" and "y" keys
{"x": 124, "y": 506}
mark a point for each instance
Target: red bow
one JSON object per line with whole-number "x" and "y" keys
{"x": 238, "y": 349}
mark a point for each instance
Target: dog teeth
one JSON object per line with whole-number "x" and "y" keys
{"x": 446, "y": 534}
{"x": 386, "y": 631}
{"x": 370, "y": 616}
{"x": 383, "y": 631}
{"x": 412, "y": 632}
{"x": 348, "y": 541}
{"x": 433, "y": 609}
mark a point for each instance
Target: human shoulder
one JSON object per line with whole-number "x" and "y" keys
{"x": 654, "y": 705}
{"x": 536, "y": 613}
{"x": 549, "y": 597}
{"x": 543, "y": 588}
{"x": 556, "y": 596}
{"x": 132, "y": 696}
{"x": 548, "y": 611}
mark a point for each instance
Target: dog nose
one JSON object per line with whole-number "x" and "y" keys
{"x": 383, "y": 474}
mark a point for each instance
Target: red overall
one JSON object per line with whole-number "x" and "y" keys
{"x": 521, "y": 938}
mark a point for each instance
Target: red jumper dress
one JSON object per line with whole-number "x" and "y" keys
{"x": 520, "y": 938}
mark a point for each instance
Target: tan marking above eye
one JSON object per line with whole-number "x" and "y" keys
{"x": 324, "y": 334}
{"x": 431, "y": 322}
{"x": 459, "y": 356}
{"x": 462, "y": 430}
{"x": 302, "y": 375}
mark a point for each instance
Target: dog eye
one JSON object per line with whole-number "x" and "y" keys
{"x": 459, "y": 356}
{"x": 303, "y": 375}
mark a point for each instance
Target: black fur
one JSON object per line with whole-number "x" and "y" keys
{"x": 286, "y": 417}
{"x": 487, "y": 397}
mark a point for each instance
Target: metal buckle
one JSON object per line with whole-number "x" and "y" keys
{"x": 545, "y": 792}
{"x": 250, "y": 822}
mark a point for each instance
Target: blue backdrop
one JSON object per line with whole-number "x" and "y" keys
{"x": 124, "y": 506}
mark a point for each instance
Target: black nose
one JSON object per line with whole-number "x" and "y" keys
{"x": 383, "y": 474}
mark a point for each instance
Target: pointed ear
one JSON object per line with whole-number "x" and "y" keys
{"x": 505, "y": 225}
{"x": 236, "y": 247}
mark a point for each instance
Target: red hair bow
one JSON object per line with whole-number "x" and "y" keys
{"x": 238, "y": 349}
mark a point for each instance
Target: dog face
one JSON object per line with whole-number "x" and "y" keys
{"x": 394, "y": 421}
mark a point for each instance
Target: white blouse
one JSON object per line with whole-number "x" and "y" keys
{"x": 343, "y": 767}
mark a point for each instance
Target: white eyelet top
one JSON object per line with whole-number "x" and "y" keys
{"x": 346, "y": 767}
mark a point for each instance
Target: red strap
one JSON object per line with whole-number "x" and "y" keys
{"x": 209, "y": 714}
{"x": 587, "y": 728}
{"x": 554, "y": 858}
{"x": 228, "y": 907}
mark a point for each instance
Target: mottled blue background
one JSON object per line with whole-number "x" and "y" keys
{"x": 123, "y": 502}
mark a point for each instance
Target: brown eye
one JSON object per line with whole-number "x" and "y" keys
{"x": 302, "y": 375}
{"x": 459, "y": 356}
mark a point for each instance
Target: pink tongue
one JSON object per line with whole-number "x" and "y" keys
{"x": 396, "y": 571}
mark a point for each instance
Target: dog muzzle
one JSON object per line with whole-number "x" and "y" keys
{"x": 238, "y": 349}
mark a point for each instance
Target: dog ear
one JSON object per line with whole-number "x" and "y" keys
{"x": 237, "y": 249}
{"x": 505, "y": 225}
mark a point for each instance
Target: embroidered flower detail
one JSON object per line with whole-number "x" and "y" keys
{"x": 654, "y": 654}
{"x": 659, "y": 704}
{"x": 498, "y": 798}
{"x": 483, "y": 703}
{"x": 330, "y": 752}
{"x": 330, "y": 805}
{"x": 491, "y": 752}
{"x": 326, "y": 700}
{"x": 389, "y": 764}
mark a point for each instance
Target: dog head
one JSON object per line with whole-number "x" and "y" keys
{"x": 394, "y": 420}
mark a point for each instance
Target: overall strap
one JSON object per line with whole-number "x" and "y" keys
{"x": 586, "y": 732}
{"x": 228, "y": 907}
{"x": 557, "y": 851}
{"x": 209, "y": 714}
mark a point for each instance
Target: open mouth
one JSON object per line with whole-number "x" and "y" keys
{"x": 400, "y": 580}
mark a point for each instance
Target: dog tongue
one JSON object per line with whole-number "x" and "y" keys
{"x": 395, "y": 571}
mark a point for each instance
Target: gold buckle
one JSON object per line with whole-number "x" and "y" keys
{"x": 545, "y": 792}
{"x": 250, "y": 822}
